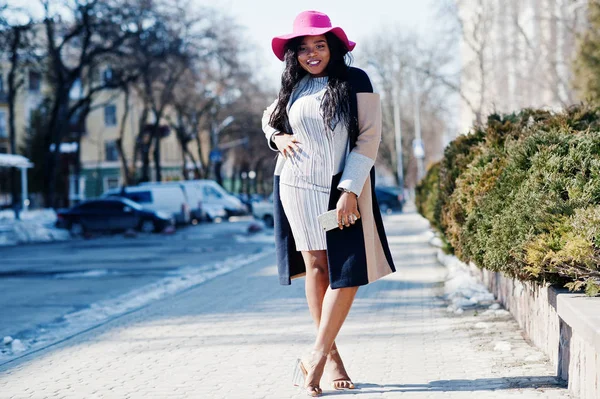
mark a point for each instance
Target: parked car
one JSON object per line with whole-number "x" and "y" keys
{"x": 111, "y": 214}
{"x": 390, "y": 199}
{"x": 263, "y": 210}
{"x": 165, "y": 198}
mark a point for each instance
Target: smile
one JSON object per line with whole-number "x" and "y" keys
{"x": 313, "y": 62}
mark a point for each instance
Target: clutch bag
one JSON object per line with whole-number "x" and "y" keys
{"x": 328, "y": 220}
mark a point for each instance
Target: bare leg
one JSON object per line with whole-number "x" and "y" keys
{"x": 317, "y": 281}
{"x": 336, "y": 306}
{"x": 317, "y": 284}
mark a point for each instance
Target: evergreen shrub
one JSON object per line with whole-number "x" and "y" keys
{"x": 521, "y": 195}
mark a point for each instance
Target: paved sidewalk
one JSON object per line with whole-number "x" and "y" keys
{"x": 238, "y": 335}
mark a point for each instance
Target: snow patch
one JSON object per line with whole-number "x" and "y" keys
{"x": 434, "y": 239}
{"x": 462, "y": 289}
{"x": 537, "y": 357}
{"x": 502, "y": 346}
{"x": 88, "y": 274}
{"x": 17, "y": 346}
{"x": 33, "y": 226}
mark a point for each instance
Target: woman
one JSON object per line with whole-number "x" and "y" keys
{"x": 326, "y": 126}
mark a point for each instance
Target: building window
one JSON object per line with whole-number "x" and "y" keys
{"x": 76, "y": 195}
{"x": 3, "y": 149}
{"x": 110, "y": 115}
{"x": 111, "y": 153}
{"x": 1, "y": 83}
{"x": 111, "y": 182}
{"x": 35, "y": 81}
{"x": 3, "y": 129}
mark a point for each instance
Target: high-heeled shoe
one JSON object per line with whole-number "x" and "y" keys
{"x": 338, "y": 384}
{"x": 301, "y": 373}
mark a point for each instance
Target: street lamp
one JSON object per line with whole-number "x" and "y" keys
{"x": 216, "y": 155}
{"x": 217, "y": 129}
{"x": 398, "y": 134}
{"x": 418, "y": 148}
{"x": 397, "y": 121}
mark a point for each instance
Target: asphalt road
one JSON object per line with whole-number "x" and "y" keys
{"x": 41, "y": 283}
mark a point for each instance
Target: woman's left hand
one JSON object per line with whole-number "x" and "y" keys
{"x": 347, "y": 210}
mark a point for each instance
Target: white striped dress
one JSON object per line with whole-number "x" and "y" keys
{"x": 305, "y": 180}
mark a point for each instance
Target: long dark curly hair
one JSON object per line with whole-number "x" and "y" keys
{"x": 335, "y": 105}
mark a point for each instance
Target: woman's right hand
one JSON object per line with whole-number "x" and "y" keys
{"x": 286, "y": 144}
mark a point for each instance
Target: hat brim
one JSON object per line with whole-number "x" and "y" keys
{"x": 279, "y": 42}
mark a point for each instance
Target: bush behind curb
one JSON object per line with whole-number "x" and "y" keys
{"x": 521, "y": 195}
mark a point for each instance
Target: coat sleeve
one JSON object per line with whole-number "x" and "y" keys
{"x": 268, "y": 129}
{"x": 362, "y": 157}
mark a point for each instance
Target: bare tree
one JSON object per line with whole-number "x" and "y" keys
{"x": 191, "y": 105}
{"x": 207, "y": 86}
{"x": 252, "y": 162}
{"x": 514, "y": 54}
{"x": 77, "y": 45}
{"x": 174, "y": 39}
{"x": 398, "y": 61}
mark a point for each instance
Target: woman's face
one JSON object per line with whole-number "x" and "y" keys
{"x": 313, "y": 54}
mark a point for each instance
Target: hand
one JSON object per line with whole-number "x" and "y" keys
{"x": 286, "y": 144}
{"x": 347, "y": 210}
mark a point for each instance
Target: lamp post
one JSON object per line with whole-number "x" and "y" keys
{"x": 418, "y": 148}
{"x": 216, "y": 155}
{"x": 398, "y": 135}
{"x": 397, "y": 118}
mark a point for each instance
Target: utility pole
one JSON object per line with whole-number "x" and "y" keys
{"x": 398, "y": 135}
{"x": 216, "y": 154}
{"x": 418, "y": 149}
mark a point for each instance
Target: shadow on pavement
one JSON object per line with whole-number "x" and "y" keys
{"x": 478, "y": 384}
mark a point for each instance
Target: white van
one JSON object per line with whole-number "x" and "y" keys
{"x": 170, "y": 199}
{"x": 200, "y": 208}
{"x": 215, "y": 196}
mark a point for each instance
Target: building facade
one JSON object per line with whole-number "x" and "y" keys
{"x": 100, "y": 162}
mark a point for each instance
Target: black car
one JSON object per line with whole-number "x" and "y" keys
{"x": 111, "y": 214}
{"x": 390, "y": 199}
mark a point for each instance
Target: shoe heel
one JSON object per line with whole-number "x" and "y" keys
{"x": 298, "y": 376}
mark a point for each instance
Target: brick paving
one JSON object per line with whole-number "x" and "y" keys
{"x": 237, "y": 336}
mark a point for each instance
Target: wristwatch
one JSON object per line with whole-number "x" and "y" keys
{"x": 348, "y": 191}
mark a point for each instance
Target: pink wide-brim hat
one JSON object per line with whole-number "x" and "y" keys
{"x": 309, "y": 23}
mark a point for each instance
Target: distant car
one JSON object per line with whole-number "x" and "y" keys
{"x": 111, "y": 214}
{"x": 390, "y": 199}
{"x": 263, "y": 210}
{"x": 165, "y": 198}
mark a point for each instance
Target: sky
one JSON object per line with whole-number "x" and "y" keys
{"x": 264, "y": 19}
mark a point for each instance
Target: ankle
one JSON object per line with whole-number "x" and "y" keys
{"x": 317, "y": 355}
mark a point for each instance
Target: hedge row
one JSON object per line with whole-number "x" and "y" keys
{"x": 521, "y": 195}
